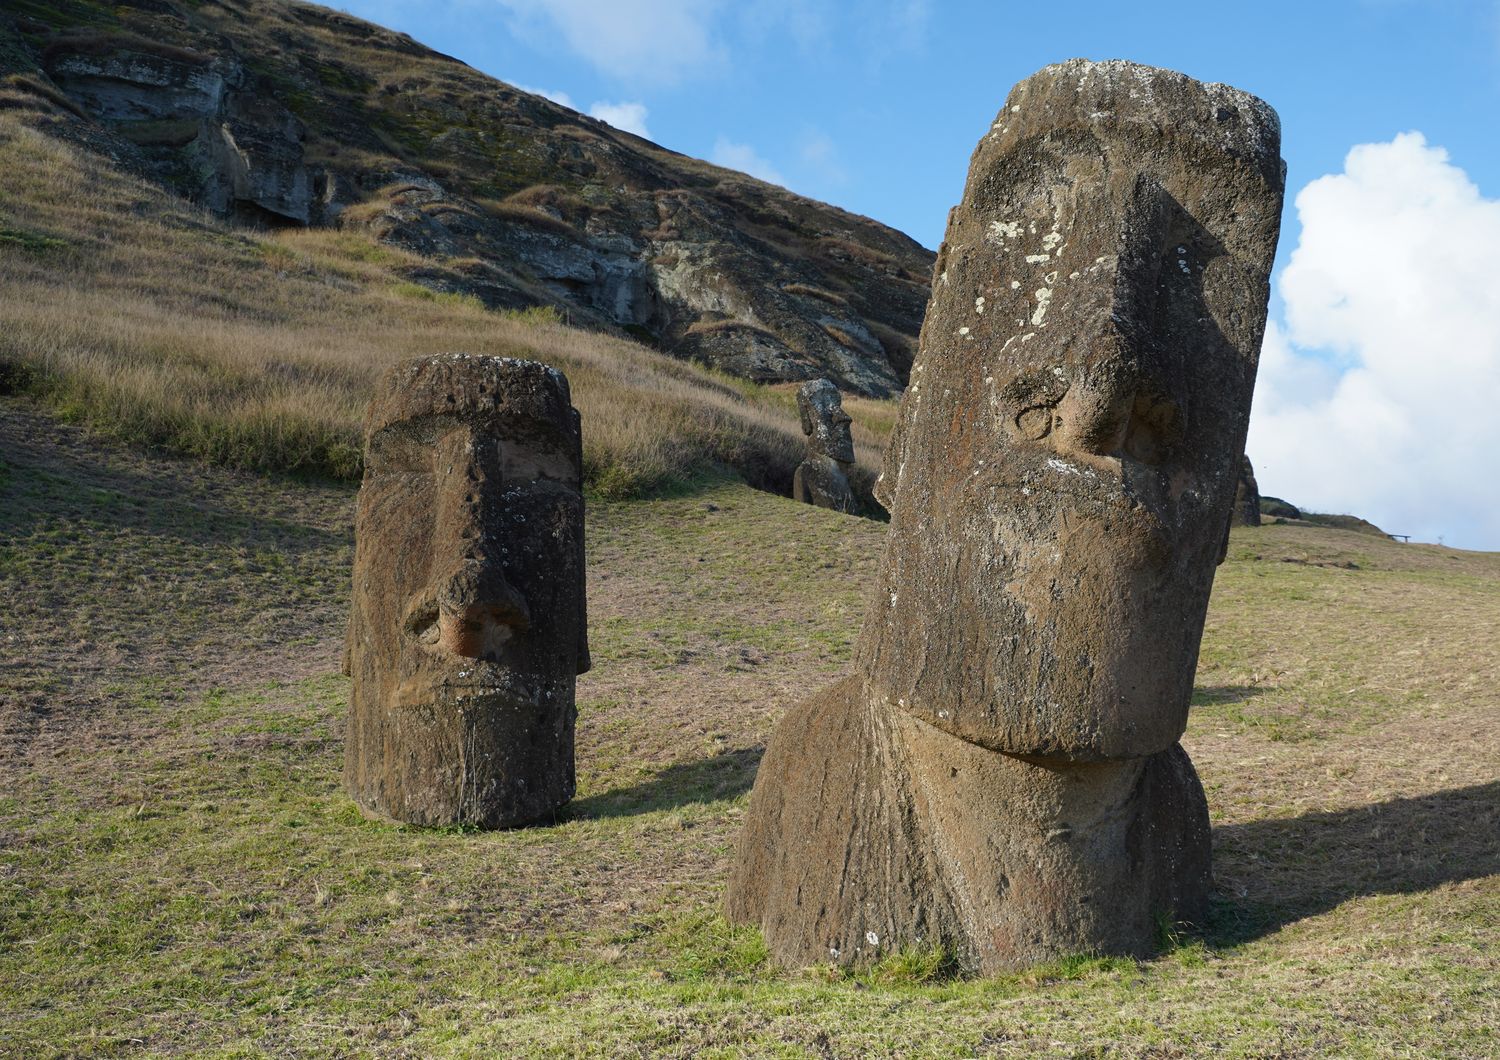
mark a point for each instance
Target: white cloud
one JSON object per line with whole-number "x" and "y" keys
{"x": 631, "y": 117}
{"x": 556, "y": 97}
{"x": 656, "y": 41}
{"x": 743, "y": 157}
{"x": 1380, "y": 394}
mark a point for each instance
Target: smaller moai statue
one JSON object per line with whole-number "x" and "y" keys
{"x": 1246, "y": 496}
{"x": 823, "y": 477}
{"x": 467, "y": 628}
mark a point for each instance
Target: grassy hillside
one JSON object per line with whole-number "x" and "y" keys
{"x": 126, "y": 309}
{"x": 491, "y": 191}
{"x": 180, "y": 873}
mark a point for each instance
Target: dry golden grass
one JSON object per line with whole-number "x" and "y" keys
{"x": 152, "y": 322}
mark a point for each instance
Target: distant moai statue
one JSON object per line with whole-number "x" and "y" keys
{"x": 468, "y": 626}
{"x": 1001, "y": 775}
{"x": 1246, "y": 496}
{"x": 823, "y": 477}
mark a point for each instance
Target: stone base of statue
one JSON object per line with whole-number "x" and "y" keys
{"x": 870, "y": 831}
{"x": 824, "y": 482}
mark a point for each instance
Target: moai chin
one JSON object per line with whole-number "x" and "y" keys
{"x": 468, "y": 626}
{"x": 823, "y": 477}
{"x": 1001, "y": 776}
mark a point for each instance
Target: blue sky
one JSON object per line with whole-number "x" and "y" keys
{"x": 876, "y": 106}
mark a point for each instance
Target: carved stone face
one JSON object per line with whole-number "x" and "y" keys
{"x": 468, "y": 623}
{"x": 1061, "y": 475}
{"x": 824, "y": 420}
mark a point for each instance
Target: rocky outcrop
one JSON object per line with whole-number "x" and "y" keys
{"x": 202, "y": 122}
{"x": 285, "y": 113}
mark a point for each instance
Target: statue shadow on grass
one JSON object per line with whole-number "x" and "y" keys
{"x": 724, "y": 776}
{"x": 1274, "y": 872}
{"x": 1268, "y": 873}
{"x": 1224, "y": 695}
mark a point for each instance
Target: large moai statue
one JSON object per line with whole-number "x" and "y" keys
{"x": 468, "y": 626}
{"x": 823, "y": 477}
{"x": 1246, "y": 496}
{"x": 1001, "y": 776}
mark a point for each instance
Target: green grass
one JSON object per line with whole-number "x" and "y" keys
{"x": 181, "y": 873}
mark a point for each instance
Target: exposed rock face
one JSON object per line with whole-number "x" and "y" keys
{"x": 1246, "y": 497}
{"x": 468, "y": 625}
{"x": 823, "y": 478}
{"x": 197, "y": 118}
{"x": 1277, "y": 508}
{"x": 1002, "y": 776}
{"x": 278, "y": 112}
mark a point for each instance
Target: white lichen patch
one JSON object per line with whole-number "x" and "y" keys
{"x": 1051, "y": 240}
{"x": 979, "y": 304}
{"x": 1037, "y": 259}
{"x": 1043, "y": 300}
{"x": 1004, "y": 230}
{"x": 963, "y": 331}
{"x": 1015, "y": 285}
{"x": 1050, "y": 278}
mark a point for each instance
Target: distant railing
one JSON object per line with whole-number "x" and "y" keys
{"x": 1403, "y": 538}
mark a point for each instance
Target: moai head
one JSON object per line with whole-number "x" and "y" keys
{"x": 468, "y": 624}
{"x": 1061, "y": 475}
{"x": 824, "y": 420}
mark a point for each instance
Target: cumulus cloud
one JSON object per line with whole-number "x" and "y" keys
{"x": 654, "y": 41}
{"x": 631, "y": 117}
{"x": 1378, "y": 393}
{"x": 746, "y": 159}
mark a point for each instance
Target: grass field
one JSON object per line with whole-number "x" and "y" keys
{"x": 180, "y": 873}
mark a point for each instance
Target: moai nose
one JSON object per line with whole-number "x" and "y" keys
{"x": 1094, "y": 414}
{"x": 478, "y": 611}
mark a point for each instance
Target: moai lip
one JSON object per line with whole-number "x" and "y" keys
{"x": 822, "y": 478}
{"x": 1000, "y": 776}
{"x": 468, "y": 624}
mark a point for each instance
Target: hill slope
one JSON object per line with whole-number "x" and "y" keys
{"x": 180, "y": 872}
{"x": 282, "y": 113}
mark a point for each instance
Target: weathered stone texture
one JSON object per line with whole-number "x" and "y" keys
{"x": 468, "y": 625}
{"x": 1002, "y": 776}
{"x": 823, "y": 477}
{"x": 1246, "y": 496}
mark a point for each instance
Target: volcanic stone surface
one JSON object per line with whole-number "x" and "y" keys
{"x": 1001, "y": 775}
{"x": 468, "y": 626}
{"x": 823, "y": 477}
{"x": 1246, "y": 496}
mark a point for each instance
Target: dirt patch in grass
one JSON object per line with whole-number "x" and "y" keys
{"x": 180, "y": 872}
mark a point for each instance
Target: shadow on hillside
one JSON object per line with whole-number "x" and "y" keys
{"x": 1272, "y": 873}
{"x": 724, "y": 776}
{"x": 54, "y": 478}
